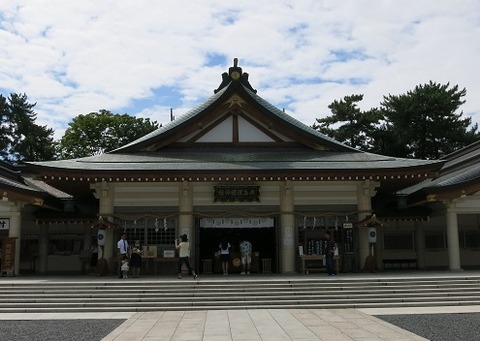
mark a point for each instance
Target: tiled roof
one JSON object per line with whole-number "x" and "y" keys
{"x": 175, "y": 123}
{"x": 12, "y": 180}
{"x": 46, "y": 188}
{"x": 294, "y": 122}
{"x": 461, "y": 176}
{"x": 461, "y": 168}
{"x": 15, "y": 184}
{"x": 11, "y": 177}
{"x": 133, "y": 157}
{"x": 236, "y": 159}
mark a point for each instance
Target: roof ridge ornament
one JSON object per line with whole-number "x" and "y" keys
{"x": 235, "y": 74}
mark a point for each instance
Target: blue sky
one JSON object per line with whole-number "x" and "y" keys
{"x": 144, "y": 57}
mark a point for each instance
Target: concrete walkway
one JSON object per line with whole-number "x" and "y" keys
{"x": 252, "y": 325}
{"x": 247, "y": 325}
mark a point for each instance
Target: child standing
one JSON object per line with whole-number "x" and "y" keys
{"x": 125, "y": 266}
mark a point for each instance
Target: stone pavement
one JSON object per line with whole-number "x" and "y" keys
{"x": 256, "y": 324}
{"x": 261, "y": 324}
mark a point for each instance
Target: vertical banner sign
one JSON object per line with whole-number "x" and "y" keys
{"x": 348, "y": 238}
{"x": 348, "y": 247}
{"x": 8, "y": 254}
{"x": 288, "y": 237}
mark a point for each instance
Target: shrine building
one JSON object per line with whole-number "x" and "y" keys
{"x": 236, "y": 167}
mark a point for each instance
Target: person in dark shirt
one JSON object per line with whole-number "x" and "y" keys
{"x": 330, "y": 246}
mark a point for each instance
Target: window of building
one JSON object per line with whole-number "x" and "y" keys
{"x": 28, "y": 247}
{"x": 472, "y": 239}
{"x": 152, "y": 231}
{"x": 461, "y": 239}
{"x": 435, "y": 240}
{"x": 65, "y": 244}
{"x": 161, "y": 231}
{"x": 399, "y": 241}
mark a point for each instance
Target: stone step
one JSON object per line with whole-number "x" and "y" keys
{"x": 196, "y": 291}
{"x": 294, "y": 305}
{"x": 301, "y": 292}
{"x": 238, "y": 281}
{"x": 200, "y": 293}
{"x": 231, "y": 285}
{"x": 5, "y": 301}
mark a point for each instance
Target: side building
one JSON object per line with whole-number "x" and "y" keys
{"x": 21, "y": 198}
{"x": 451, "y": 234}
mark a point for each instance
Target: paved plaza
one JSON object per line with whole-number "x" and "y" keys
{"x": 274, "y": 325}
{"x": 368, "y": 324}
{"x": 255, "y": 324}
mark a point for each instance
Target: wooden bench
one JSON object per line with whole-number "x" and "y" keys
{"x": 411, "y": 263}
{"x": 168, "y": 265}
{"x": 309, "y": 263}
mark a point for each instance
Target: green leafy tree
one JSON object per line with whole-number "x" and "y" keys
{"x": 425, "y": 123}
{"x": 21, "y": 138}
{"x": 103, "y": 131}
{"x": 348, "y": 124}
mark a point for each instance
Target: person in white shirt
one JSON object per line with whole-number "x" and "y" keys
{"x": 224, "y": 255}
{"x": 183, "y": 248}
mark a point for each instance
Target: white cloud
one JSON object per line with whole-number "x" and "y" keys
{"x": 78, "y": 57}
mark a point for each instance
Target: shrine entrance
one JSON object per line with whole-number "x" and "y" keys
{"x": 261, "y": 232}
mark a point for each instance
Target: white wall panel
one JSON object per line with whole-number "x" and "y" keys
{"x": 149, "y": 194}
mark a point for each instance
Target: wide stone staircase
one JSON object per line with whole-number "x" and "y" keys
{"x": 235, "y": 292}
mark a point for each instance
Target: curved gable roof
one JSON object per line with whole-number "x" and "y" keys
{"x": 310, "y": 136}
{"x": 170, "y": 127}
{"x": 294, "y": 149}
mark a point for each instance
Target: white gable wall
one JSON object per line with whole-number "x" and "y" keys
{"x": 223, "y": 132}
{"x": 248, "y": 133}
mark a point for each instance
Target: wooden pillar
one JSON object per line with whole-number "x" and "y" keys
{"x": 185, "y": 215}
{"x": 16, "y": 232}
{"x": 104, "y": 193}
{"x": 287, "y": 228}
{"x": 452, "y": 238}
{"x": 365, "y": 192}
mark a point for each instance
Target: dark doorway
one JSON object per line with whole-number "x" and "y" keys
{"x": 263, "y": 243}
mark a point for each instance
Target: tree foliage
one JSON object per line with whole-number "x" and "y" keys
{"x": 424, "y": 123}
{"x": 103, "y": 131}
{"x": 21, "y": 138}
{"x": 353, "y": 126}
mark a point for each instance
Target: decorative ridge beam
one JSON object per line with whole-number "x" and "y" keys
{"x": 208, "y": 178}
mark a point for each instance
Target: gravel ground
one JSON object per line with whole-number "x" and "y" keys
{"x": 439, "y": 327}
{"x": 57, "y": 330}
